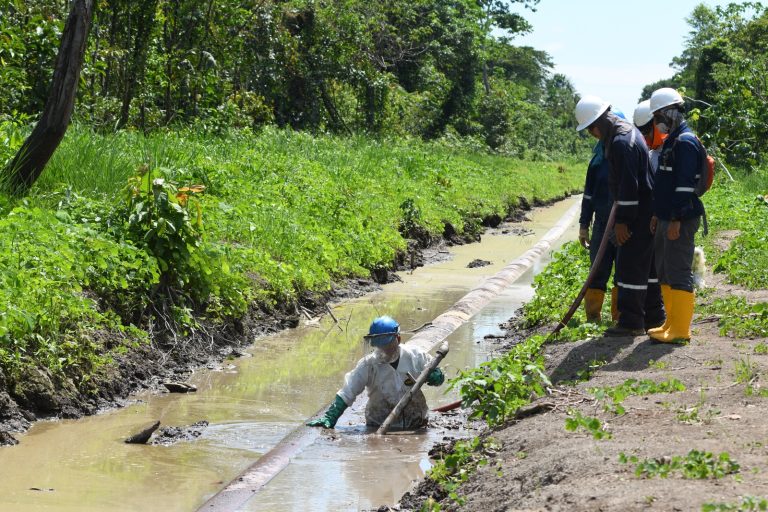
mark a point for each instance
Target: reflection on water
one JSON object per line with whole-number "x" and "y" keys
{"x": 254, "y": 401}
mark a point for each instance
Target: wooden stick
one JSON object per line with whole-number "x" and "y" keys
{"x": 328, "y": 309}
{"x": 441, "y": 352}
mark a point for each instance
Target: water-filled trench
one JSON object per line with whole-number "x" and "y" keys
{"x": 254, "y": 401}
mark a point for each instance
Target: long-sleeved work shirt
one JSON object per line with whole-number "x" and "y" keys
{"x": 597, "y": 198}
{"x": 631, "y": 178}
{"x": 679, "y": 167}
{"x": 386, "y": 386}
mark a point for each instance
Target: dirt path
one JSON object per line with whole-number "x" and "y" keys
{"x": 542, "y": 466}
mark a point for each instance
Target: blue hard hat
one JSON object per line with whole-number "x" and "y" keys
{"x": 383, "y": 331}
{"x": 618, "y": 113}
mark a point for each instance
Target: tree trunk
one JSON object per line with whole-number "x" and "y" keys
{"x": 330, "y": 107}
{"x": 486, "y": 82}
{"x": 370, "y": 108}
{"x": 32, "y": 157}
{"x": 137, "y": 66}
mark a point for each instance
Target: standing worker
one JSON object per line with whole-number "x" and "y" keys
{"x": 597, "y": 203}
{"x": 677, "y": 214}
{"x": 387, "y": 373}
{"x": 631, "y": 185}
{"x": 643, "y": 119}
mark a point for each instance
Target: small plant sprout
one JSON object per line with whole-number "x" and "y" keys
{"x": 745, "y": 371}
{"x": 631, "y": 387}
{"x": 747, "y": 503}
{"x": 592, "y": 425}
{"x": 659, "y": 365}
{"x": 454, "y": 468}
{"x": 694, "y": 465}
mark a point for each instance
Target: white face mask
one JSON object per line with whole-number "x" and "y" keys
{"x": 387, "y": 354}
{"x": 663, "y": 128}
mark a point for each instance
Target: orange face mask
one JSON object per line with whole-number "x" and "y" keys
{"x": 655, "y": 139}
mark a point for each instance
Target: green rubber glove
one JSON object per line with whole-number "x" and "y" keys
{"x": 331, "y": 416}
{"x": 435, "y": 377}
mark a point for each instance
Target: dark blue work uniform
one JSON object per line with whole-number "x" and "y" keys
{"x": 674, "y": 199}
{"x": 597, "y": 202}
{"x": 631, "y": 183}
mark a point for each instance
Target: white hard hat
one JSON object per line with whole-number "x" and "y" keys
{"x": 643, "y": 114}
{"x": 664, "y": 97}
{"x": 588, "y": 109}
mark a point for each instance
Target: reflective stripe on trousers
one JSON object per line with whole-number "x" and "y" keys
{"x": 634, "y": 264}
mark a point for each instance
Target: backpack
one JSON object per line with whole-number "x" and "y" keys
{"x": 706, "y": 174}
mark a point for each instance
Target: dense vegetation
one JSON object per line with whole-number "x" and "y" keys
{"x": 234, "y": 155}
{"x": 426, "y": 68}
{"x": 209, "y": 226}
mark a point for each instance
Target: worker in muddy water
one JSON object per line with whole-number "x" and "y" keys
{"x": 630, "y": 181}
{"x": 677, "y": 213}
{"x": 386, "y": 374}
{"x": 596, "y": 204}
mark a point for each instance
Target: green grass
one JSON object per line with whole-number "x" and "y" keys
{"x": 56, "y": 280}
{"x": 747, "y": 503}
{"x": 556, "y": 287}
{"x": 283, "y": 213}
{"x": 304, "y": 210}
{"x": 739, "y": 319}
{"x": 695, "y": 465}
{"x": 633, "y": 387}
{"x": 736, "y": 206}
{"x": 740, "y": 206}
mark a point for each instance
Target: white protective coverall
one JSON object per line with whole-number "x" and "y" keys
{"x": 386, "y": 386}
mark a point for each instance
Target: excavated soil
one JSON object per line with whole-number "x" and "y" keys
{"x": 543, "y": 467}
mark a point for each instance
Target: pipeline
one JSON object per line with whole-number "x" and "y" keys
{"x": 576, "y": 302}
{"x": 232, "y": 497}
{"x": 435, "y": 332}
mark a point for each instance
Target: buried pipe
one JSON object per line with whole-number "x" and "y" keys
{"x": 576, "y": 302}
{"x": 232, "y": 497}
{"x": 458, "y": 314}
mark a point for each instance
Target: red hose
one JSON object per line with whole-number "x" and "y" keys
{"x": 590, "y": 277}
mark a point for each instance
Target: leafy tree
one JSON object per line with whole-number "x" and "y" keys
{"x": 675, "y": 82}
{"x": 29, "y": 38}
{"x": 722, "y": 70}
{"x": 427, "y": 68}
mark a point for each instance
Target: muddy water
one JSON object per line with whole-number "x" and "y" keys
{"x": 252, "y": 402}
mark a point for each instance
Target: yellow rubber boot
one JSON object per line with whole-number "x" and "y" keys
{"x": 615, "y": 304}
{"x": 680, "y": 315}
{"x": 665, "y": 289}
{"x": 593, "y": 304}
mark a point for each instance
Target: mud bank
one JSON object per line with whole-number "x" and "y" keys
{"x": 173, "y": 357}
{"x": 542, "y": 466}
